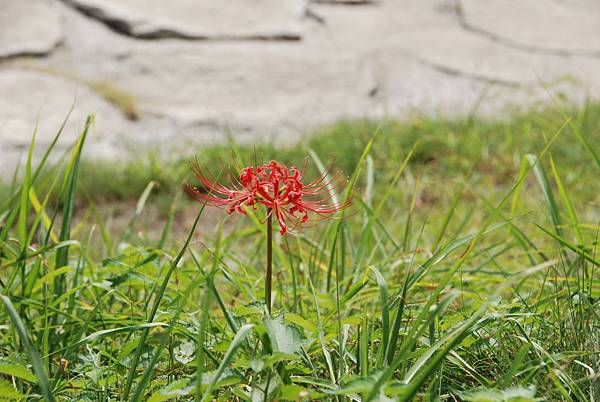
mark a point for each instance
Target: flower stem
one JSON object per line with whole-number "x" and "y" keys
{"x": 269, "y": 278}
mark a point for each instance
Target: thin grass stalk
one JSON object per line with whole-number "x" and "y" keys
{"x": 201, "y": 340}
{"x": 139, "y": 390}
{"x": 235, "y": 343}
{"x": 294, "y": 278}
{"x": 417, "y": 330}
{"x": 37, "y": 363}
{"x": 62, "y": 255}
{"x": 269, "y": 277}
{"x": 159, "y": 296}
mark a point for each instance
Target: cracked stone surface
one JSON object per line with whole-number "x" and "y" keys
{"x": 385, "y": 59}
{"x": 501, "y": 65}
{"x": 192, "y": 19}
{"x": 28, "y": 27}
{"x": 291, "y": 81}
{"x": 48, "y": 99}
{"x": 560, "y": 26}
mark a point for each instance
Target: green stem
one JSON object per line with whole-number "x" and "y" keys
{"x": 269, "y": 278}
{"x": 266, "y": 391}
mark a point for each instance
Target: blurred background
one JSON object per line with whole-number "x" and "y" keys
{"x": 172, "y": 76}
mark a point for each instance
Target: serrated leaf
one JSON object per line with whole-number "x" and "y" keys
{"x": 17, "y": 370}
{"x": 8, "y": 392}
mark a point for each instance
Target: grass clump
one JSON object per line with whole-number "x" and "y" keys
{"x": 486, "y": 150}
{"x": 465, "y": 271}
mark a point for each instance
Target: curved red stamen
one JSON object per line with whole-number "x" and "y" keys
{"x": 275, "y": 186}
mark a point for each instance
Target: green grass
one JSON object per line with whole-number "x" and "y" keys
{"x": 465, "y": 270}
{"x": 486, "y": 150}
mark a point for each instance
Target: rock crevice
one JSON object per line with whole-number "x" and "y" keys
{"x": 459, "y": 9}
{"x": 28, "y": 28}
{"x": 192, "y": 20}
{"x": 472, "y": 76}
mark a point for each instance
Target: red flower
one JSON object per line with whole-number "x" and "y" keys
{"x": 275, "y": 186}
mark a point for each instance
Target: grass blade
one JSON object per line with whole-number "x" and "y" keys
{"x": 158, "y": 350}
{"x": 385, "y": 313}
{"x": 235, "y": 343}
{"x": 39, "y": 367}
{"x": 159, "y": 296}
{"x": 69, "y": 186}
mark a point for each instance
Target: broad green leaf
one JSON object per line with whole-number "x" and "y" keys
{"x": 301, "y": 322}
{"x": 512, "y": 394}
{"x": 293, "y": 392}
{"x": 227, "y": 377}
{"x": 358, "y": 385}
{"x": 17, "y": 370}
{"x": 284, "y": 338}
{"x": 174, "y": 390}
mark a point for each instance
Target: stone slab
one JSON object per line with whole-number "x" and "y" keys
{"x": 28, "y": 27}
{"x": 476, "y": 57}
{"x": 389, "y": 59}
{"x": 204, "y": 19}
{"x": 47, "y": 99}
{"x": 560, "y": 26}
{"x": 277, "y": 86}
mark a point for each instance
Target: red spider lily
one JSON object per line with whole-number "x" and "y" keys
{"x": 275, "y": 186}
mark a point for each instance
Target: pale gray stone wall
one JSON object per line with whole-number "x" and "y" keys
{"x": 170, "y": 74}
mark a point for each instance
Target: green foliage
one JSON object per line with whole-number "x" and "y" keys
{"x": 8, "y": 392}
{"x": 465, "y": 270}
{"x": 513, "y": 394}
{"x": 487, "y": 150}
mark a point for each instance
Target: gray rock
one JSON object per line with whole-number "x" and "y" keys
{"x": 204, "y": 19}
{"x": 391, "y": 59}
{"x": 28, "y": 27}
{"x": 548, "y": 26}
{"x": 478, "y": 58}
{"x": 277, "y": 87}
{"x": 47, "y": 99}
